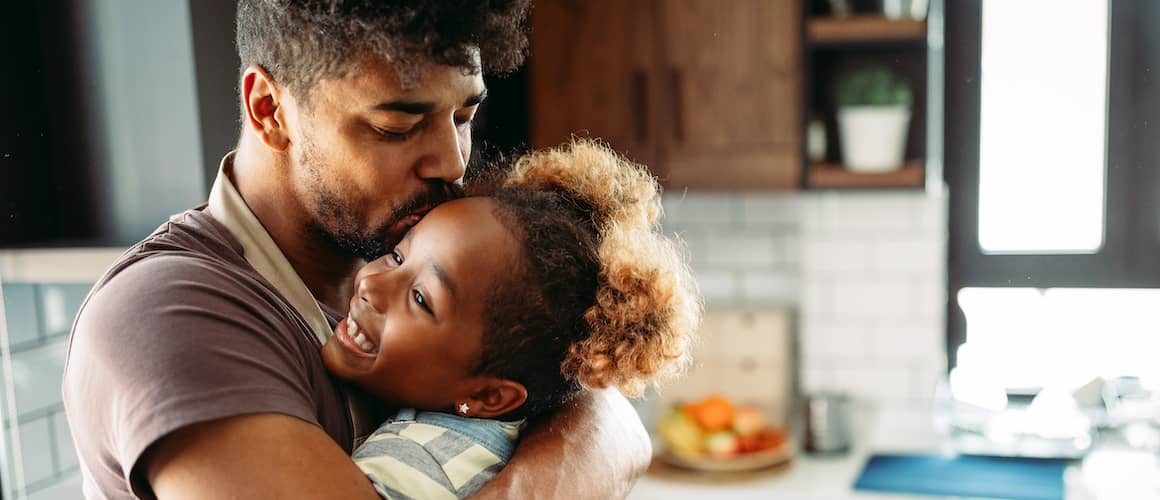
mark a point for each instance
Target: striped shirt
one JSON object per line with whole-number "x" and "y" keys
{"x": 431, "y": 455}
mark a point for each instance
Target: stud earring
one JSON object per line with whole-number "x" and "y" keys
{"x": 463, "y": 408}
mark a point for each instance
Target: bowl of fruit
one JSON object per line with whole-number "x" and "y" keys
{"x": 716, "y": 435}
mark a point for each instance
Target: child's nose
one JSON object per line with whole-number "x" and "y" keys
{"x": 371, "y": 291}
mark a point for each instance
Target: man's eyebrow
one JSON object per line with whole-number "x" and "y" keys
{"x": 424, "y": 107}
{"x": 444, "y": 279}
{"x": 408, "y": 107}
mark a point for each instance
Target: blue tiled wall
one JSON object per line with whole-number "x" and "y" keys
{"x": 39, "y": 317}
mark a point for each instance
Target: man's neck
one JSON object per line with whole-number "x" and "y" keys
{"x": 328, "y": 274}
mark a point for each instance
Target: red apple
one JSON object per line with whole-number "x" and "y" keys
{"x": 770, "y": 437}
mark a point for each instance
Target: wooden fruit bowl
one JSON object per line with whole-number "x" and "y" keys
{"x": 740, "y": 462}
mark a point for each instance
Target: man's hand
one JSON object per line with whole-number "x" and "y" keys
{"x": 253, "y": 456}
{"x": 595, "y": 447}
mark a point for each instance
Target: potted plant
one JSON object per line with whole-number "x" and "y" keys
{"x": 874, "y": 105}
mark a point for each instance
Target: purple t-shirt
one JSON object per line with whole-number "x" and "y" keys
{"x": 183, "y": 330}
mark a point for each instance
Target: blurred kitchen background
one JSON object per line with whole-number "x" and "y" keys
{"x": 934, "y": 224}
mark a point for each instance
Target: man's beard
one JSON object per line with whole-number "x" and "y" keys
{"x": 335, "y": 224}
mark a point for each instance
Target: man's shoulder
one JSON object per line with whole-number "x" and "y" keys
{"x": 190, "y": 248}
{"x": 192, "y": 237}
{"x": 190, "y": 263}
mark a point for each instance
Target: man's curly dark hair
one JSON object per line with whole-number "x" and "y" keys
{"x": 302, "y": 41}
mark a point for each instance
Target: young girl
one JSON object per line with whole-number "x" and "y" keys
{"x": 499, "y": 307}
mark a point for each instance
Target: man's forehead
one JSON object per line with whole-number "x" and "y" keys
{"x": 373, "y": 81}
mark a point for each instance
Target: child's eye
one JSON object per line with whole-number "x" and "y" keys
{"x": 422, "y": 301}
{"x": 395, "y": 257}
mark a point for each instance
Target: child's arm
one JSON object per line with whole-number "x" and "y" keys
{"x": 595, "y": 447}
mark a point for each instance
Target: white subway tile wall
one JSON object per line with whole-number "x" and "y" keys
{"x": 39, "y": 316}
{"x": 865, "y": 270}
{"x": 67, "y": 488}
{"x": 37, "y": 375}
{"x": 66, "y": 453}
{"x": 38, "y": 462}
{"x": 24, "y": 321}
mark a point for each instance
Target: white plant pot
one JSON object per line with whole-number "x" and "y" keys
{"x": 873, "y": 138}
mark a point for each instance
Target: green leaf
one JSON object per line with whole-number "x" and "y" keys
{"x": 873, "y": 86}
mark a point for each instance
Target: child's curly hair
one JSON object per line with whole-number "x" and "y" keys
{"x": 600, "y": 298}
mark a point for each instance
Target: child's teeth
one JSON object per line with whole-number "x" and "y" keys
{"x": 363, "y": 342}
{"x": 352, "y": 329}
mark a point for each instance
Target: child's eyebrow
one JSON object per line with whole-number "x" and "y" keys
{"x": 444, "y": 279}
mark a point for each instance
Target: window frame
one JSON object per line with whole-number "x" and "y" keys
{"x": 1130, "y": 256}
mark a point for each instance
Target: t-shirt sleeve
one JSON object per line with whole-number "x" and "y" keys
{"x": 173, "y": 341}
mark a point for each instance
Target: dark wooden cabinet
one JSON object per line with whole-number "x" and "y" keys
{"x": 593, "y": 74}
{"x": 707, "y": 93}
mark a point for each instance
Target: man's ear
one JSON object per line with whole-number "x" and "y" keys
{"x": 496, "y": 396}
{"x": 261, "y": 102}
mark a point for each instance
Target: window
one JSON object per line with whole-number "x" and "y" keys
{"x": 1043, "y": 113}
{"x": 1051, "y": 150}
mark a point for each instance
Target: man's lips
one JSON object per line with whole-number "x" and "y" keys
{"x": 418, "y": 214}
{"x": 413, "y": 217}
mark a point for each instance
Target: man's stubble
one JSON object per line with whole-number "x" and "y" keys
{"x": 339, "y": 225}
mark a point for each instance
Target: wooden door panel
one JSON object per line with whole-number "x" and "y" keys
{"x": 721, "y": 112}
{"x": 734, "y": 70}
{"x": 732, "y": 33}
{"x": 592, "y": 74}
{"x": 739, "y": 170}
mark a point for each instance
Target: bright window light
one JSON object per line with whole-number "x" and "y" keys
{"x": 1043, "y": 126}
{"x": 1026, "y": 338}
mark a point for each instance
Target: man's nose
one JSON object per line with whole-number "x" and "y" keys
{"x": 446, "y": 155}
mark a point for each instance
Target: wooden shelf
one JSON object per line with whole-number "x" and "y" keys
{"x": 864, "y": 28}
{"x": 835, "y": 176}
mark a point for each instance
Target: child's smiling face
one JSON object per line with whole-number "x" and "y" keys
{"x": 414, "y": 334}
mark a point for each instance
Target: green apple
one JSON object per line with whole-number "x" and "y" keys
{"x": 680, "y": 433}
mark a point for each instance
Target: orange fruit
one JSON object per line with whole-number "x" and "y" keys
{"x": 713, "y": 414}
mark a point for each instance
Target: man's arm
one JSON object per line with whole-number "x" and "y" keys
{"x": 595, "y": 447}
{"x": 193, "y": 392}
{"x": 257, "y": 456}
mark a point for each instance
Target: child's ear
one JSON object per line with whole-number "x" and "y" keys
{"x": 496, "y": 397}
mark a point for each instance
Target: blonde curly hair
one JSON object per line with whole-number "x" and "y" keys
{"x": 601, "y": 298}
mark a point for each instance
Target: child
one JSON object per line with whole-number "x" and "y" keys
{"x": 499, "y": 307}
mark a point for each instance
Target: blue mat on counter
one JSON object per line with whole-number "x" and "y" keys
{"x": 965, "y": 476}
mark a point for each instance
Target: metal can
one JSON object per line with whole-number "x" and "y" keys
{"x": 827, "y": 423}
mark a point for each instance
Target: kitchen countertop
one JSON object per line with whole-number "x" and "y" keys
{"x": 804, "y": 477}
{"x": 56, "y": 265}
{"x": 1107, "y": 473}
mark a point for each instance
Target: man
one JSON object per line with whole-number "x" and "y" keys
{"x": 193, "y": 368}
